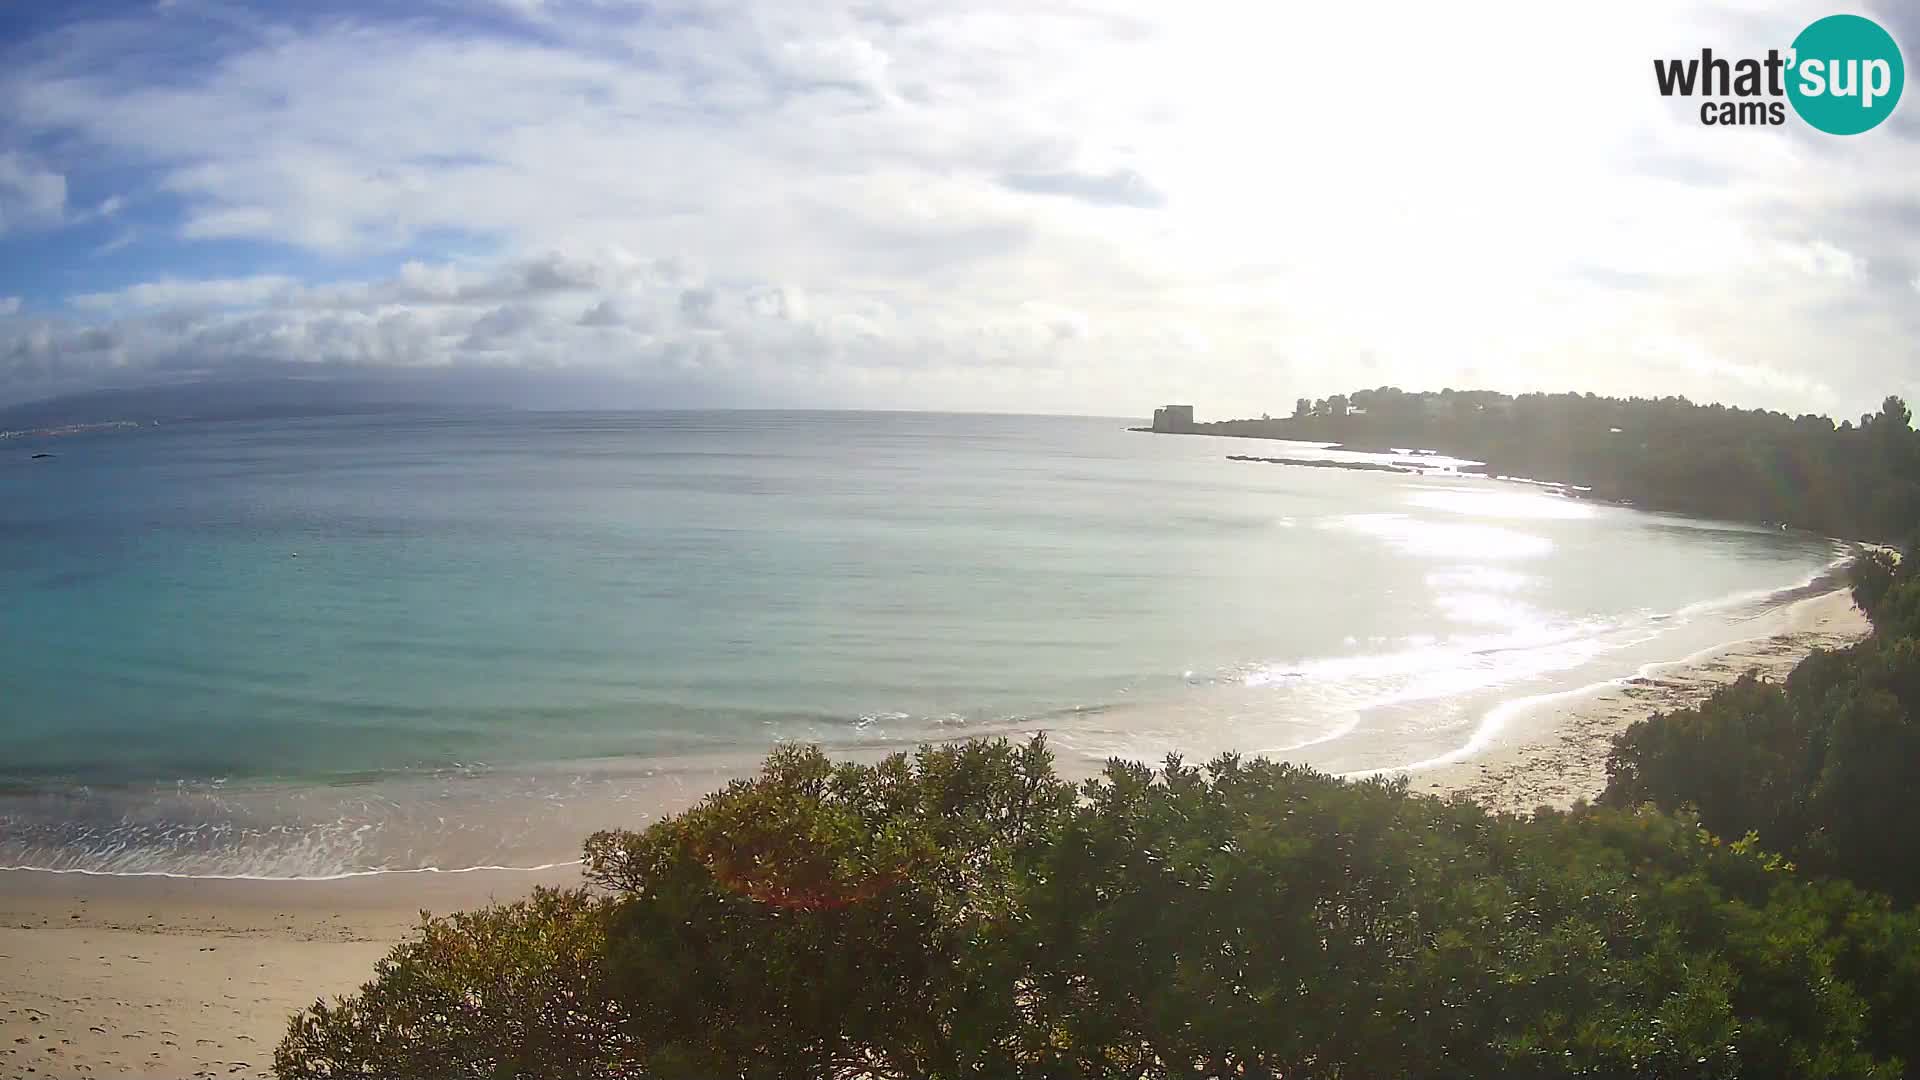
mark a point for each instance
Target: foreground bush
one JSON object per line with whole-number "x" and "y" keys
{"x": 963, "y": 912}
{"x": 514, "y": 990}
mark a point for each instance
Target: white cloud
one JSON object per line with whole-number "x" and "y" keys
{"x": 30, "y": 194}
{"x": 611, "y": 315}
{"x": 173, "y": 293}
{"x": 1823, "y": 259}
{"x": 104, "y": 210}
{"x": 121, "y": 239}
{"x": 1092, "y": 205}
{"x": 1676, "y": 355}
{"x": 9, "y": 305}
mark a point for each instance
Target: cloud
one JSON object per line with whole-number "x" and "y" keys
{"x": 696, "y": 307}
{"x": 173, "y": 293}
{"x": 611, "y": 314}
{"x": 1679, "y": 354}
{"x": 120, "y": 240}
{"x": 104, "y": 210}
{"x": 604, "y": 313}
{"x": 1077, "y": 205}
{"x": 499, "y": 327}
{"x": 1823, "y": 259}
{"x": 31, "y": 196}
{"x": 1122, "y": 187}
{"x": 9, "y": 305}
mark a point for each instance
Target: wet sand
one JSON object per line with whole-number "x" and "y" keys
{"x": 115, "y": 976}
{"x": 1552, "y": 750}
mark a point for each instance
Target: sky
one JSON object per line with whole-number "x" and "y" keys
{"x": 1037, "y": 206}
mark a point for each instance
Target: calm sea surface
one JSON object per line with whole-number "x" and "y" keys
{"x": 330, "y": 646}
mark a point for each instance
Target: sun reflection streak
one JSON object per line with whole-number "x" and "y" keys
{"x": 1520, "y": 505}
{"x": 1445, "y": 540}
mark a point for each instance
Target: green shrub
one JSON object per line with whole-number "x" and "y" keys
{"x": 511, "y": 991}
{"x": 1821, "y": 768}
{"x": 962, "y": 912}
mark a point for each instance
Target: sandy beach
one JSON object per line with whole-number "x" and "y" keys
{"x": 179, "y": 977}
{"x": 114, "y": 976}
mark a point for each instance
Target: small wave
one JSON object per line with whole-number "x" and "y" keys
{"x": 1339, "y": 731}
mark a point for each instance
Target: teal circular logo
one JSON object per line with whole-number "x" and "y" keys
{"x": 1846, "y": 74}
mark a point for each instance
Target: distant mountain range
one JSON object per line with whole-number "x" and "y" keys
{"x": 296, "y": 390}
{"x": 249, "y": 399}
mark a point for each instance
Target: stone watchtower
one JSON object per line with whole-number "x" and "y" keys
{"x": 1173, "y": 418}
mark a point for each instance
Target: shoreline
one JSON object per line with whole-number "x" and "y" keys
{"x": 1551, "y": 749}
{"x": 105, "y": 974}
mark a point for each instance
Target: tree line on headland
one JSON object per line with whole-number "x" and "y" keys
{"x": 1740, "y": 902}
{"x": 1859, "y": 480}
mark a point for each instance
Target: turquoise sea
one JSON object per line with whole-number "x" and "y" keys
{"x": 329, "y": 646}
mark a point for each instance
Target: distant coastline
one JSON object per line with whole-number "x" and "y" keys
{"x": 1807, "y": 472}
{"x": 68, "y": 429}
{"x": 200, "y": 402}
{"x": 1475, "y": 469}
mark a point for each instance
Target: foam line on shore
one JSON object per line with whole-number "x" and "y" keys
{"x": 1494, "y": 722}
{"x": 1560, "y": 756}
{"x": 342, "y": 876}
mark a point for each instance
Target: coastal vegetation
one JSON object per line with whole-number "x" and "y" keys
{"x": 1739, "y": 903}
{"x": 1821, "y": 768}
{"x": 963, "y": 911}
{"x": 1859, "y": 480}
